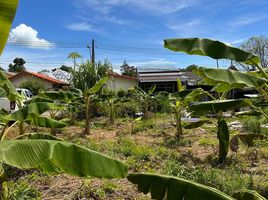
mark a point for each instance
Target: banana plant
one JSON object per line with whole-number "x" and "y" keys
{"x": 146, "y": 99}
{"x": 174, "y": 188}
{"x": 222, "y": 80}
{"x": 88, "y": 97}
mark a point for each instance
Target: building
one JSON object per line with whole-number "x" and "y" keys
{"x": 165, "y": 79}
{"x": 49, "y": 82}
{"x": 120, "y": 82}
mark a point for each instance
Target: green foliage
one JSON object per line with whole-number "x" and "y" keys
{"x": 18, "y": 65}
{"x": 174, "y": 188}
{"x": 21, "y": 190}
{"x": 211, "y": 48}
{"x": 247, "y": 195}
{"x": 7, "y": 14}
{"x": 128, "y": 70}
{"x": 60, "y": 157}
{"x": 34, "y": 85}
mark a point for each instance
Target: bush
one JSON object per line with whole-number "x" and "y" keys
{"x": 33, "y": 85}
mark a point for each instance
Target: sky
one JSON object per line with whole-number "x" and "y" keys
{"x": 45, "y": 32}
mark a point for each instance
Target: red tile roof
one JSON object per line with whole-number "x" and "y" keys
{"x": 113, "y": 74}
{"x": 37, "y": 75}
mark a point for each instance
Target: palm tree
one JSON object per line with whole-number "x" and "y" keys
{"x": 74, "y": 56}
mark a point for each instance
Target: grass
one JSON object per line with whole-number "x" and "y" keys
{"x": 154, "y": 149}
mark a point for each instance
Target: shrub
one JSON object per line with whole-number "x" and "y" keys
{"x": 33, "y": 85}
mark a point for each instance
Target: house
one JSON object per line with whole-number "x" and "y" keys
{"x": 49, "y": 82}
{"x": 165, "y": 79}
{"x": 120, "y": 82}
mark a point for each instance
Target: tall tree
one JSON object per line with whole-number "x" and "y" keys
{"x": 74, "y": 56}
{"x": 18, "y": 65}
{"x": 258, "y": 46}
{"x": 128, "y": 70}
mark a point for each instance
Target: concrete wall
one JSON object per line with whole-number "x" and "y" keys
{"x": 116, "y": 83}
{"x": 18, "y": 81}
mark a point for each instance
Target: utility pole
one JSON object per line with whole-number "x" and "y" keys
{"x": 93, "y": 51}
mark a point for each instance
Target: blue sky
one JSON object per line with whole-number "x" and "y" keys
{"x": 45, "y": 32}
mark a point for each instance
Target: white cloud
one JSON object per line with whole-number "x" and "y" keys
{"x": 153, "y": 6}
{"x": 27, "y": 36}
{"x": 152, "y": 63}
{"x": 246, "y": 20}
{"x": 80, "y": 26}
{"x": 191, "y": 28}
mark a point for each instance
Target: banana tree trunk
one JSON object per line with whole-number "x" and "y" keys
{"x": 178, "y": 124}
{"x": 223, "y": 136}
{"x": 132, "y": 128}
{"x": 88, "y": 123}
{"x": 146, "y": 111}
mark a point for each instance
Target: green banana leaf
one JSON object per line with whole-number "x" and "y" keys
{"x": 247, "y": 195}
{"x": 218, "y": 105}
{"x": 173, "y": 188}
{"x": 223, "y": 136}
{"x": 212, "y": 48}
{"x": 46, "y": 122}
{"x": 197, "y": 124}
{"x": 61, "y": 96}
{"x": 246, "y": 139}
{"x": 54, "y": 157}
{"x": 36, "y": 136}
{"x": 7, "y": 13}
{"x": 97, "y": 86}
{"x": 31, "y": 111}
{"x": 7, "y": 87}
{"x": 226, "y": 80}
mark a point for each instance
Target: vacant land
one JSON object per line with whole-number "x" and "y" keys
{"x": 152, "y": 148}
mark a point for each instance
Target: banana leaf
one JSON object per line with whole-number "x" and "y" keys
{"x": 211, "y": 48}
{"x": 197, "y": 124}
{"x": 31, "y": 111}
{"x": 61, "y": 96}
{"x": 54, "y": 157}
{"x": 218, "y": 105}
{"x": 97, "y": 86}
{"x": 36, "y": 136}
{"x": 173, "y": 188}
{"x": 226, "y": 80}
{"x": 247, "y": 195}
{"x": 7, "y": 14}
{"x": 5, "y": 85}
{"x": 46, "y": 122}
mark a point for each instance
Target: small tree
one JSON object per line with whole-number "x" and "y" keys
{"x": 18, "y": 65}
{"x": 74, "y": 56}
{"x": 146, "y": 99}
{"x": 128, "y": 70}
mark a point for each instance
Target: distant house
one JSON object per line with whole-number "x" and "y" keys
{"x": 49, "y": 82}
{"x": 120, "y": 82}
{"x": 165, "y": 79}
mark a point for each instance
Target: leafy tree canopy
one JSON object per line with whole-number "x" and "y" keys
{"x": 18, "y": 65}
{"x": 128, "y": 70}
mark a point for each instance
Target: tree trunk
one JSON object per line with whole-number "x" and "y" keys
{"x": 178, "y": 125}
{"x": 132, "y": 128}
{"x": 146, "y": 112}
{"x": 87, "y": 126}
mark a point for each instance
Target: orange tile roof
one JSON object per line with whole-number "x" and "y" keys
{"x": 114, "y": 74}
{"x": 41, "y": 76}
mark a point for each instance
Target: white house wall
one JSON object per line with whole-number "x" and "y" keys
{"x": 115, "y": 83}
{"x": 18, "y": 81}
